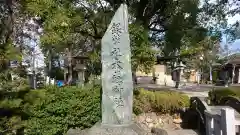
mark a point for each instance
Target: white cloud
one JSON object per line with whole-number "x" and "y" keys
{"x": 234, "y": 19}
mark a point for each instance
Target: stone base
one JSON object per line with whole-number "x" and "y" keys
{"x": 99, "y": 129}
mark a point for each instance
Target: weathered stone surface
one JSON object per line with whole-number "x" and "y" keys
{"x": 177, "y": 121}
{"x": 158, "y": 131}
{"x": 117, "y": 84}
{"x": 151, "y": 120}
{"x": 99, "y": 129}
{"x": 133, "y": 129}
{"x": 182, "y": 132}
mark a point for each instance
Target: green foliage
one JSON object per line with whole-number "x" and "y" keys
{"x": 94, "y": 67}
{"x": 11, "y": 99}
{"x": 11, "y": 91}
{"x": 172, "y": 25}
{"x": 208, "y": 49}
{"x": 159, "y": 101}
{"x": 214, "y": 76}
{"x": 52, "y": 111}
{"x": 59, "y": 18}
{"x": 216, "y": 95}
{"x": 143, "y": 56}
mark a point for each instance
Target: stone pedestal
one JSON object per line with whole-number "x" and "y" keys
{"x": 81, "y": 78}
{"x": 99, "y": 129}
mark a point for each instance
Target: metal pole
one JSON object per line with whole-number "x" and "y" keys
{"x": 210, "y": 72}
{"x": 227, "y": 77}
{"x": 233, "y": 73}
{"x": 177, "y": 70}
{"x": 34, "y": 69}
{"x": 49, "y": 65}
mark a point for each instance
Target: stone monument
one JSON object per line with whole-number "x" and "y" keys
{"x": 117, "y": 83}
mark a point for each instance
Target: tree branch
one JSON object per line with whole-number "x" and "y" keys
{"x": 84, "y": 33}
{"x": 102, "y": 6}
{"x": 157, "y": 30}
{"x": 94, "y": 26}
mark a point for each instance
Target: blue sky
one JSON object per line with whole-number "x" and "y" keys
{"x": 232, "y": 20}
{"x": 235, "y": 45}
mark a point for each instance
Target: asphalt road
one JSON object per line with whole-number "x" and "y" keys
{"x": 190, "y": 89}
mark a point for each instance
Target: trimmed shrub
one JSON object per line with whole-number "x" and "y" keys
{"x": 216, "y": 95}
{"x": 214, "y": 76}
{"x": 52, "y": 111}
{"x": 159, "y": 101}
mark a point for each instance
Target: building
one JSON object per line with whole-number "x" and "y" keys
{"x": 230, "y": 71}
{"x": 79, "y": 63}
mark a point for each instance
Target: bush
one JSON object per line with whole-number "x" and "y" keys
{"x": 52, "y": 111}
{"x": 214, "y": 76}
{"x": 216, "y": 95}
{"x": 11, "y": 99}
{"x": 159, "y": 101}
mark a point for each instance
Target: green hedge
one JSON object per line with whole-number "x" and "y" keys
{"x": 52, "y": 111}
{"x": 159, "y": 101}
{"x": 214, "y": 76}
{"x": 216, "y": 95}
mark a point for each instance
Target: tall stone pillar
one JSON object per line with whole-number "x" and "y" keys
{"x": 81, "y": 78}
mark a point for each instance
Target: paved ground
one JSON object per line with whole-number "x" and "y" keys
{"x": 190, "y": 89}
{"x": 182, "y": 132}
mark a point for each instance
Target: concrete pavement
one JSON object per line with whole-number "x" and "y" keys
{"x": 190, "y": 90}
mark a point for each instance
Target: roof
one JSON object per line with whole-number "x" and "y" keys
{"x": 234, "y": 58}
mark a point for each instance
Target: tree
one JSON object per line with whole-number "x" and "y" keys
{"x": 170, "y": 25}
{"x": 64, "y": 28}
{"x": 205, "y": 56}
{"x": 10, "y": 87}
{"x": 143, "y": 55}
{"x": 58, "y": 20}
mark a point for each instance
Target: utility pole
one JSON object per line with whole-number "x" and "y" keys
{"x": 49, "y": 64}
{"x": 34, "y": 67}
{"x": 226, "y": 77}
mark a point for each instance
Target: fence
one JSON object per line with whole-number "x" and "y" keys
{"x": 222, "y": 120}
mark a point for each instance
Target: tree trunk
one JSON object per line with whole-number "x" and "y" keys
{"x": 134, "y": 77}
{"x": 59, "y": 63}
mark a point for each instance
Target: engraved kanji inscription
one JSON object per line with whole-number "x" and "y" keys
{"x": 116, "y": 33}
{"x": 117, "y": 78}
{"x": 118, "y": 101}
{"x": 117, "y": 89}
{"x": 117, "y": 64}
{"x": 116, "y": 52}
